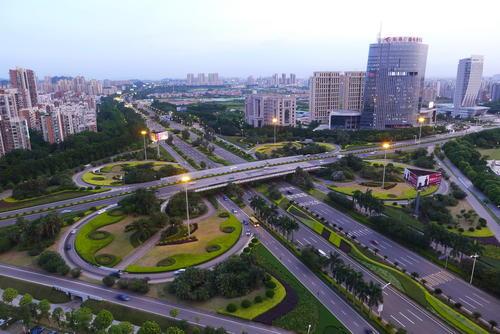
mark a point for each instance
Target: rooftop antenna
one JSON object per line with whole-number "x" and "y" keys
{"x": 379, "y": 36}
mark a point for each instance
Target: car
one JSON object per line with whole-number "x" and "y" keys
{"x": 123, "y": 297}
{"x": 73, "y": 231}
{"x": 224, "y": 197}
{"x": 116, "y": 274}
{"x": 37, "y": 330}
{"x": 179, "y": 271}
{"x": 66, "y": 211}
{"x": 67, "y": 247}
{"x": 234, "y": 211}
{"x": 245, "y": 222}
{"x": 289, "y": 192}
{"x": 374, "y": 242}
{"x": 2, "y": 322}
{"x": 248, "y": 233}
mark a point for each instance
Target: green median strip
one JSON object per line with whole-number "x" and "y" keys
{"x": 401, "y": 281}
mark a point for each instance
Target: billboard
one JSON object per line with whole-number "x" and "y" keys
{"x": 156, "y": 136}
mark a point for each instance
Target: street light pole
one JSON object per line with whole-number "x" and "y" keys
{"x": 143, "y": 133}
{"x": 185, "y": 180}
{"x": 274, "y": 120}
{"x": 475, "y": 256}
{"x": 385, "y": 146}
{"x": 308, "y": 329}
{"x": 421, "y": 121}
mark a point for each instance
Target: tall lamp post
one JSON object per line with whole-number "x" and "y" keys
{"x": 275, "y": 121}
{"x": 144, "y": 133}
{"x": 185, "y": 179}
{"x": 475, "y": 256}
{"x": 421, "y": 121}
{"x": 385, "y": 147}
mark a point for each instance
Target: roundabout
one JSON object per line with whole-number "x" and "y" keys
{"x": 90, "y": 246}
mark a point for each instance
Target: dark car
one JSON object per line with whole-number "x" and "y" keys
{"x": 67, "y": 247}
{"x": 37, "y": 330}
{"x": 123, "y": 297}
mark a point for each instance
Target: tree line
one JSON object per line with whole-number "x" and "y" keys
{"x": 463, "y": 153}
{"x": 269, "y": 215}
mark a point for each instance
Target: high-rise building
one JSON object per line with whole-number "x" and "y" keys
{"x": 190, "y": 79}
{"x": 293, "y": 79}
{"x": 14, "y": 131}
{"x": 261, "y": 109}
{"x": 201, "y": 79}
{"x": 468, "y": 83}
{"x": 24, "y": 81}
{"x": 394, "y": 81}
{"x": 331, "y": 91}
{"x": 495, "y": 91}
{"x": 213, "y": 78}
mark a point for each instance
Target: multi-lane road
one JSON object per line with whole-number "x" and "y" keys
{"x": 151, "y": 305}
{"x": 468, "y": 295}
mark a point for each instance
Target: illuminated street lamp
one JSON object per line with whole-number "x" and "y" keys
{"x": 385, "y": 146}
{"x": 275, "y": 121}
{"x": 185, "y": 179}
{"x": 144, "y": 133}
{"x": 475, "y": 256}
{"x": 421, "y": 121}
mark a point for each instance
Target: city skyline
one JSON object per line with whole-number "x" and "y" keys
{"x": 192, "y": 37}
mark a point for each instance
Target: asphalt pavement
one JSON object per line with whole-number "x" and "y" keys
{"x": 468, "y": 295}
{"x": 139, "y": 302}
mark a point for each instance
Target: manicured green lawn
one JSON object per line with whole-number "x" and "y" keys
{"x": 403, "y": 192}
{"x": 184, "y": 260}
{"x": 400, "y": 280}
{"x": 9, "y": 204}
{"x": 87, "y": 247}
{"x": 257, "y": 309}
{"x": 308, "y": 311}
{"x": 37, "y": 291}
{"x": 492, "y": 153}
{"x": 105, "y": 176}
{"x": 270, "y": 147}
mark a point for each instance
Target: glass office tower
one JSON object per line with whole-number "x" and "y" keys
{"x": 394, "y": 82}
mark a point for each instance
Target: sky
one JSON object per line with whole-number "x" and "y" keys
{"x": 155, "y": 39}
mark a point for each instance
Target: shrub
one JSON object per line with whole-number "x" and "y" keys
{"x": 212, "y": 248}
{"x": 105, "y": 259}
{"x": 53, "y": 263}
{"x": 471, "y": 229}
{"x": 270, "y": 285}
{"x": 269, "y": 293}
{"x": 75, "y": 272}
{"x": 228, "y": 229}
{"x": 109, "y": 281}
{"x": 257, "y": 299}
{"x": 231, "y": 308}
{"x": 122, "y": 283}
{"x": 245, "y": 303}
{"x": 224, "y": 214}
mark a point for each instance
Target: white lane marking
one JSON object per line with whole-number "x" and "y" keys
{"x": 399, "y": 322}
{"x": 466, "y": 302}
{"x": 474, "y": 301}
{"x": 300, "y": 242}
{"x": 416, "y": 316}
{"x": 407, "y": 318}
{"x": 355, "y": 323}
{"x": 478, "y": 296}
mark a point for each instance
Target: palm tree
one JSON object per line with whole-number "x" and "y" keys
{"x": 375, "y": 295}
{"x": 142, "y": 229}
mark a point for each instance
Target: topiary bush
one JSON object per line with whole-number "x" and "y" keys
{"x": 98, "y": 235}
{"x": 269, "y": 293}
{"x": 257, "y": 299}
{"x": 231, "y": 308}
{"x": 245, "y": 303}
{"x": 227, "y": 229}
{"x": 105, "y": 259}
{"x": 270, "y": 285}
{"x": 212, "y": 248}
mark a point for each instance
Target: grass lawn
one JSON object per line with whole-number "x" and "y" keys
{"x": 9, "y": 204}
{"x": 86, "y": 247}
{"x": 238, "y": 141}
{"x": 270, "y": 147}
{"x": 111, "y": 174}
{"x": 400, "y": 280}
{"x": 256, "y": 309}
{"x": 462, "y": 222}
{"x": 492, "y": 153}
{"x": 308, "y": 309}
{"x": 132, "y": 315}
{"x": 36, "y": 290}
{"x": 209, "y": 233}
{"x": 399, "y": 192}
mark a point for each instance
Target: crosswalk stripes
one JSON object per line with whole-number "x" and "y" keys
{"x": 361, "y": 232}
{"x": 438, "y": 278}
